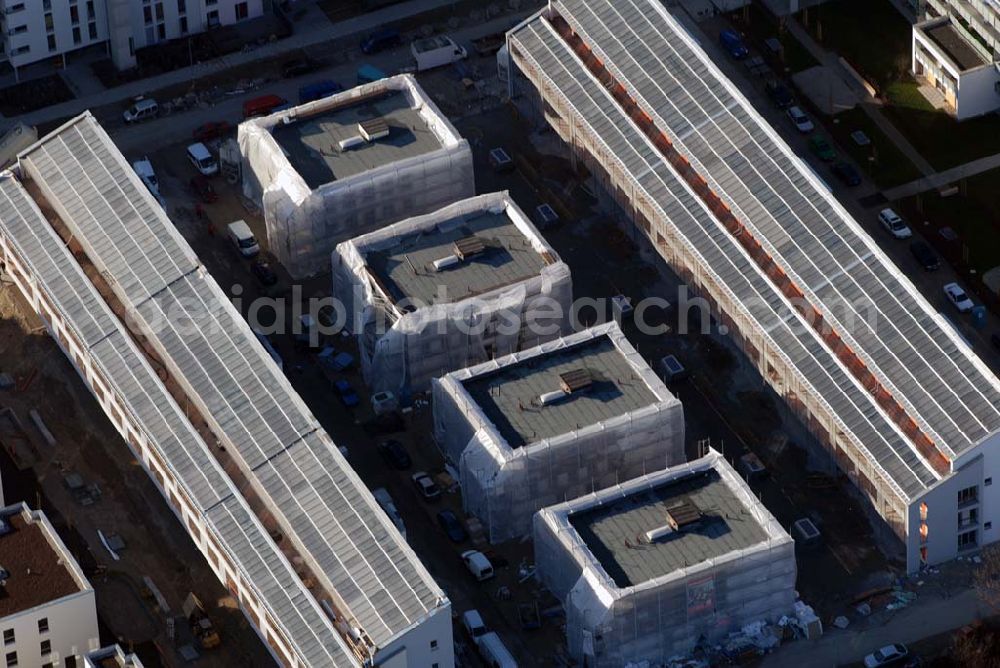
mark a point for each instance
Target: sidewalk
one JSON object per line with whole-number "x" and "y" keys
{"x": 314, "y": 28}
{"x": 941, "y": 179}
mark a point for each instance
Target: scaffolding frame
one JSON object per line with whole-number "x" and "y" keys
{"x": 304, "y": 224}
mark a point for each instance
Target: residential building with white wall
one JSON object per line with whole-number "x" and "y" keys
{"x": 36, "y": 30}
{"x": 112, "y": 656}
{"x": 48, "y": 614}
{"x": 955, "y": 45}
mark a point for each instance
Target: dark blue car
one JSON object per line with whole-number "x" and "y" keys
{"x": 452, "y": 526}
{"x": 380, "y": 41}
{"x": 733, "y": 44}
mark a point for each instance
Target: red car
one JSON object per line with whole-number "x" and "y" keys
{"x": 203, "y": 189}
{"x": 210, "y": 131}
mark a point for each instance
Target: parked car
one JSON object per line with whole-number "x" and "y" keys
{"x": 144, "y": 168}
{"x": 202, "y": 159}
{"x": 452, "y": 526}
{"x": 346, "y": 392}
{"x": 885, "y": 656}
{"x": 426, "y": 486}
{"x": 927, "y": 258}
{"x": 142, "y": 109}
{"x": 381, "y": 40}
{"x": 821, "y": 148}
{"x": 958, "y": 298}
{"x": 296, "y": 68}
{"x": 318, "y": 90}
{"x": 261, "y": 269}
{"x": 202, "y": 189}
{"x": 478, "y": 564}
{"x": 893, "y": 224}
{"x": 845, "y": 171}
{"x": 472, "y": 623}
{"x": 733, "y": 44}
{"x": 262, "y": 106}
{"x": 800, "y": 120}
{"x": 395, "y": 455}
{"x": 240, "y": 234}
{"x": 779, "y": 94}
{"x": 211, "y": 130}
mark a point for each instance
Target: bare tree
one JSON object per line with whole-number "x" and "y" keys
{"x": 986, "y": 578}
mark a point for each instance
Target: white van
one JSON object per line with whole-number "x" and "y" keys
{"x": 243, "y": 239}
{"x": 431, "y": 52}
{"x": 478, "y": 564}
{"x": 141, "y": 109}
{"x": 144, "y": 168}
{"x": 202, "y": 159}
{"x": 494, "y": 653}
{"x": 389, "y": 506}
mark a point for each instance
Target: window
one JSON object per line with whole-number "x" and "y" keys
{"x": 182, "y": 6}
{"x": 241, "y": 11}
{"x": 76, "y": 35}
{"x": 183, "y": 24}
{"x": 213, "y": 18}
{"x": 161, "y": 31}
{"x": 74, "y": 14}
{"x": 159, "y": 11}
{"x": 967, "y": 540}
{"x": 92, "y": 30}
{"x": 988, "y": 525}
{"x": 15, "y": 8}
{"x": 968, "y": 517}
{"x": 17, "y": 30}
{"x": 43, "y": 625}
{"x": 988, "y": 482}
{"x": 90, "y": 10}
{"x": 147, "y": 14}
{"x": 968, "y": 495}
{"x": 11, "y": 659}
{"x": 49, "y": 25}
{"x": 52, "y": 42}
{"x": 8, "y": 637}
{"x": 46, "y": 647}
{"x": 434, "y": 644}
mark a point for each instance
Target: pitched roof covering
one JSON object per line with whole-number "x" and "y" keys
{"x": 629, "y": 150}
{"x": 211, "y": 351}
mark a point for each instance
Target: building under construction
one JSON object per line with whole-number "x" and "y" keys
{"x": 900, "y": 401}
{"x": 450, "y": 289}
{"x": 552, "y": 423}
{"x": 350, "y": 163}
{"x": 650, "y": 568}
{"x": 244, "y": 463}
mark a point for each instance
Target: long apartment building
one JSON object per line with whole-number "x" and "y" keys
{"x": 904, "y": 406}
{"x": 956, "y": 49}
{"x": 342, "y": 588}
{"x": 36, "y": 30}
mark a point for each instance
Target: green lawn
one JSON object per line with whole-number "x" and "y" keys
{"x": 942, "y": 140}
{"x": 889, "y": 167}
{"x": 974, "y": 214}
{"x": 869, "y": 34}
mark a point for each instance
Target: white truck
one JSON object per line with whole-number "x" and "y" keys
{"x": 436, "y": 51}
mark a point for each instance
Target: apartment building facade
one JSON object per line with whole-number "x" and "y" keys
{"x": 48, "y": 615}
{"x": 37, "y": 30}
{"x": 955, "y": 48}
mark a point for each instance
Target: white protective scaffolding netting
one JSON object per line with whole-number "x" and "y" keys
{"x": 402, "y": 350}
{"x": 304, "y": 224}
{"x": 652, "y": 621}
{"x": 504, "y": 486}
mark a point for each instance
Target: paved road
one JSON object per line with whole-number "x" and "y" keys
{"x": 925, "y": 618}
{"x": 168, "y": 129}
{"x": 311, "y": 30}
